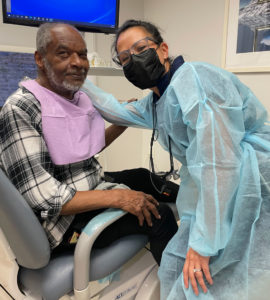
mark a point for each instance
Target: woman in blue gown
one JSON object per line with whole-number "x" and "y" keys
{"x": 216, "y": 127}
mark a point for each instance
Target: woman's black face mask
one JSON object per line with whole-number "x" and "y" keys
{"x": 144, "y": 69}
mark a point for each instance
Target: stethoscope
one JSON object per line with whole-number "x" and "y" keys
{"x": 165, "y": 176}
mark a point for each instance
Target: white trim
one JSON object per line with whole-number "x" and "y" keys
{"x": 239, "y": 62}
{"x": 9, "y": 48}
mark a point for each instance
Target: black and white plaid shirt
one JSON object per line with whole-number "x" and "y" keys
{"x": 26, "y": 161}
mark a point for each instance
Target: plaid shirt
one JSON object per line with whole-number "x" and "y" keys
{"x": 26, "y": 161}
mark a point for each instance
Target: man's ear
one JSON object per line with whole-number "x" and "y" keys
{"x": 39, "y": 60}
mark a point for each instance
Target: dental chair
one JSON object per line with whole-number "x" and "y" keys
{"x": 29, "y": 271}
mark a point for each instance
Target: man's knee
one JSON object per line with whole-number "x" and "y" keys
{"x": 165, "y": 211}
{"x": 167, "y": 222}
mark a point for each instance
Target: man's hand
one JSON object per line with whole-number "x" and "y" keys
{"x": 137, "y": 203}
{"x": 196, "y": 267}
{"x": 132, "y": 100}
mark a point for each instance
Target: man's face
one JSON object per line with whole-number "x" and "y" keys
{"x": 65, "y": 64}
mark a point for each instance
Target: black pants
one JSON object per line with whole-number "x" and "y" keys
{"x": 142, "y": 180}
{"x": 159, "y": 234}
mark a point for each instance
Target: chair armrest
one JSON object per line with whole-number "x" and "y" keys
{"x": 84, "y": 247}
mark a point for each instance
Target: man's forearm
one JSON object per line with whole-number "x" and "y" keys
{"x": 134, "y": 202}
{"x": 89, "y": 200}
{"x": 112, "y": 133}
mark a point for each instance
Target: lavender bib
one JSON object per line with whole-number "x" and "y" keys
{"x": 73, "y": 130}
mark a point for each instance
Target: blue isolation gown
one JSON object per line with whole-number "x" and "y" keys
{"x": 219, "y": 133}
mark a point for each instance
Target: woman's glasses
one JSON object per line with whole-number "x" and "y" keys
{"x": 124, "y": 57}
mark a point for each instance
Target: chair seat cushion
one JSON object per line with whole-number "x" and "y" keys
{"x": 56, "y": 279}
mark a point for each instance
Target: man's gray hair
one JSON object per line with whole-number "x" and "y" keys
{"x": 44, "y": 36}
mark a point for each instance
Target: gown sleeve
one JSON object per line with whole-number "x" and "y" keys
{"x": 212, "y": 106}
{"x": 135, "y": 114}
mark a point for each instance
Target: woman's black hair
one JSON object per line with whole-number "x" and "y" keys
{"x": 149, "y": 27}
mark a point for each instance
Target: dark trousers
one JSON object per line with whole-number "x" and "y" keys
{"x": 159, "y": 234}
{"x": 142, "y": 180}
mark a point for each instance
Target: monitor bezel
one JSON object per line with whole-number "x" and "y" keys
{"x": 85, "y": 28}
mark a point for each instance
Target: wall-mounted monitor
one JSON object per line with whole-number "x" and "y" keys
{"x": 86, "y": 15}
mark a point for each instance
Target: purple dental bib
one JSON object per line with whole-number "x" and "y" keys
{"x": 73, "y": 129}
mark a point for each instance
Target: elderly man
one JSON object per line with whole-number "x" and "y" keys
{"x": 49, "y": 134}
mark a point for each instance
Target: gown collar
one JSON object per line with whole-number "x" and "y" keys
{"x": 165, "y": 80}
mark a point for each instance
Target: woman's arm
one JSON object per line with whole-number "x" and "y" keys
{"x": 135, "y": 114}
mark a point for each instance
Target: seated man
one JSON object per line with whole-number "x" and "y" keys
{"x": 49, "y": 134}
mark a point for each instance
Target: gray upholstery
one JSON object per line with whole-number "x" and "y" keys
{"x": 56, "y": 279}
{"x": 22, "y": 229}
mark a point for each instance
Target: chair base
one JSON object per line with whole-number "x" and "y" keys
{"x": 136, "y": 280}
{"x": 127, "y": 284}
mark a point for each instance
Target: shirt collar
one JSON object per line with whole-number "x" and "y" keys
{"x": 165, "y": 80}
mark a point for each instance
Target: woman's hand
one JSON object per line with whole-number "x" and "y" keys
{"x": 196, "y": 267}
{"x": 132, "y": 100}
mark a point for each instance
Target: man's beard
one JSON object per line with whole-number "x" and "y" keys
{"x": 57, "y": 84}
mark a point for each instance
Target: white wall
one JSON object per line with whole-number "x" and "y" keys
{"x": 16, "y": 36}
{"x": 126, "y": 151}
